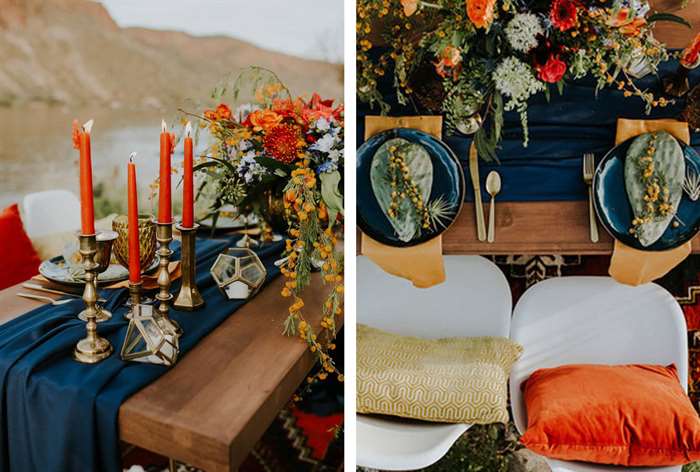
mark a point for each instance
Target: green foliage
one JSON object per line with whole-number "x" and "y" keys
{"x": 693, "y": 467}
{"x": 104, "y": 204}
{"x": 483, "y": 448}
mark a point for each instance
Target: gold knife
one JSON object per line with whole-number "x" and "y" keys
{"x": 474, "y": 171}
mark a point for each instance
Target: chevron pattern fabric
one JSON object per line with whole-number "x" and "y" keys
{"x": 455, "y": 380}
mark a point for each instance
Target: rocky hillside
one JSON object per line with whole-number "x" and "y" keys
{"x": 71, "y": 52}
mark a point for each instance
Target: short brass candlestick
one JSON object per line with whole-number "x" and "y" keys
{"x": 92, "y": 348}
{"x": 164, "y": 235}
{"x": 134, "y": 298}
{"x": 189, "y": 298}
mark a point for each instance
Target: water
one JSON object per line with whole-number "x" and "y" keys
{"x": 36, "y": 152}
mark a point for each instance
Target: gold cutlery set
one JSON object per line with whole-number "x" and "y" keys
{"x": 493, "y": 187}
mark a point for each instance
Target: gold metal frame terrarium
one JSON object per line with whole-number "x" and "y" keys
{"x": 238, "y": 272}
{"x": 149, "y": 341}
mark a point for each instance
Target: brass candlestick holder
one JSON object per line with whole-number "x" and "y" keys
{"x": 92, "y": 348}
{"x": 164, "y": 235}
{"x": 189, "y": 298}
{"x": 134, "y": 298}
{"x": 103, "y": 256}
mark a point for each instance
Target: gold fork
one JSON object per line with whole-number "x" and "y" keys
{"x": 588, "y": 170}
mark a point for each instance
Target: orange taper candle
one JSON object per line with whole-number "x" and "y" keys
{"x": 87, "y": 204}
{"x": 134, "y": 252}
{"x": 188, "y": 181}
{"x": 165, "y": 211}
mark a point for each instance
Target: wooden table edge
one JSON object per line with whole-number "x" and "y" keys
{"x": 528, "y": 228}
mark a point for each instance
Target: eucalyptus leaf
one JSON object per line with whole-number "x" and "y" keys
{"x": 330, "y": 193}
{"x": 421, "y": 171}
{"x": 669, "y": 163}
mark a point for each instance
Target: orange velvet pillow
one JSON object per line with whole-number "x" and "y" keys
{"x": 17, "y": 255}
{"x": 631, "y": 415}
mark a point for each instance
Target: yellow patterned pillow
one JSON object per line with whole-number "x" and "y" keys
{"x": 455, "y": 380}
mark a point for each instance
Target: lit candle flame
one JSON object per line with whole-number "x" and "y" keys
{"x": 87, "y": 127}
{"x": 163, "y": 126}
{"x": 132, "y": 157}
{"x": 188, "y": 129}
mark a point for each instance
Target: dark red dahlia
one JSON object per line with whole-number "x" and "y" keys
{"x": 564, "y": 14}
{"x": 282, "y": 143}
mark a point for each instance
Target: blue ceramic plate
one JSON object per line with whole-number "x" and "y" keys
{"x": 615, "y": 213}
{"x": 56, "y": 270}
{"x": 448, "y": 182}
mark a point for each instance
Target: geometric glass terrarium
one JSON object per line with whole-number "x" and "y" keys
{"x": 148, "y": 340}
{"x": 238, "y": 272}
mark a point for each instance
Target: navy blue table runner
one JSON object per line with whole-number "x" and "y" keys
{"x": 59, "y": 415}
{"x": 561, "y": 131}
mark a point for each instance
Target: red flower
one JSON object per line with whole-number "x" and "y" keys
{"x": 318, "y": 108}
{"x": 553, "y": 70}
{"x": 564, "y": 14}
{"x": 691, "y": 54}
{"x": 282, "y": 143}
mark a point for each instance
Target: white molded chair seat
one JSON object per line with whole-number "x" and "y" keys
{"x": 474, "y": 301}
{"x": 52, "y": 211}
{"x": 595, "y": 320}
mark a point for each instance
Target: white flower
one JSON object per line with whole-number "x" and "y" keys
{"x": 335, "y": 155}
{"x": 522, "y": 31}
{"x": 323, "y": 124}
{"x": 244, "y": 145}
{"x": 249, "y": 169}
{"x": 514, "y": 79}
{"x": 244, "y": 110}
{"x": 325, "y": 144}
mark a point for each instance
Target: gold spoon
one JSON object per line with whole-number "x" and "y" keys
{"x": 493, "y": 186}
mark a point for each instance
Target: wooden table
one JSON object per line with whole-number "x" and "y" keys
{"x": 534, "y": 228}
{"x": 214, "y": 405}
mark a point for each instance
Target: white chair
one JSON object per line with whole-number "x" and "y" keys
{"x": 474, "y": 301}
{"x": 595, "y": 320}
{"x": 52, "y": 211}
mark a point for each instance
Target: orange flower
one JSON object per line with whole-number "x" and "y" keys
{"x": 409, "y": 6}
{"x": 210, "y": 115}
{"x": 480, "y": 12}
{"x": 75, "y": 134}
{"x": 223, "y": 112}
{"x": 634, "y": 28}
{"x": 264, "y": 119}
{"x": 623, "y": 17}
{"x": 450, "y": 60}
{"x": 629, "y": 25}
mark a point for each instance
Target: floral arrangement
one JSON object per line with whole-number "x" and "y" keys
{"x": 290, "y": 150}
{"x": 472, "y": 60}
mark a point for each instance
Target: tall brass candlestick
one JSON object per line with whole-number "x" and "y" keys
{"x": 92, "y": 348}
{"x": 164, "y": 235}
{"x": 189, "y": 298}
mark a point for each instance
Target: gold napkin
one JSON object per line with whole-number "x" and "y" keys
{"x": 631, "y": 266}
{"x": 422, "y": 264}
